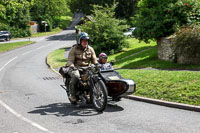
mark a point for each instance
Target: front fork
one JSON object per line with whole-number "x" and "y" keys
{"x": 93, "y": 81}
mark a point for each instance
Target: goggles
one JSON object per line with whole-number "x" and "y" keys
{"x": 103, "y": 57}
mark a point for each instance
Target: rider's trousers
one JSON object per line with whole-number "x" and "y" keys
{"x": 75, "y": 75}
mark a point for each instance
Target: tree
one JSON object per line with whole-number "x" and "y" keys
{"x": 125, "y": 8}
{"x": 2, "y": 16}
{"x": 160, "y": 18}
{"x": 106, "y": 32}
{"x": 15, "y": 17}
{"x": 48, "y": 10}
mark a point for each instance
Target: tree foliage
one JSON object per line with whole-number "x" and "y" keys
{"x": 158, "y": 18}
{"x": 106, "y": 32}
{"x": 187, "y": 42}
{"x": 48, "y": 10}
{"x": 125, "y": 8}
{"x": 15, "y": 16}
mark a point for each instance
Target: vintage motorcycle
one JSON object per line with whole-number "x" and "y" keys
{"x": 98, "y": 87}
{"x": 90, "y": 88}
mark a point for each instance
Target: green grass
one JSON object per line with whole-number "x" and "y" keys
{"x": 176, "y": 86}
{"x": 134, "y": 47}
{"x": 56, "y": 58}
{"x": 9, "y": 46}
{"x": 148, "y": 59}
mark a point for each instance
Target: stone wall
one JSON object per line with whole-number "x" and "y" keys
{"x": 167, "y": 52}
{"x": 165, "y": 49}
{"x": 34, "y": 28}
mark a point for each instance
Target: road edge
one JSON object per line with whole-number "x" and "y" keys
{"x": 164, "y": 103}
{"x": 149, "y": 100}
{"x": 50, "y": 67}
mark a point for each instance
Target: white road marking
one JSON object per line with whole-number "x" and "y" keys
{"x": 23, "y": 118}
{"x": 17, "y": 114}
{"x": 41, "y": 47}
{"x": 27, "y": 52}
{"x": 7, "y": 63}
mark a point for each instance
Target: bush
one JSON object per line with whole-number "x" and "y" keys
{"x": 17, "y": 32}
{"x": 3, "y": 26}
{"x": 105, "y": 31}
{"x": 187, "y": 41}
{"x": 161, "y": 18}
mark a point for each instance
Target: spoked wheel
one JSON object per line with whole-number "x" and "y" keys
{"x": 99, "y": 96}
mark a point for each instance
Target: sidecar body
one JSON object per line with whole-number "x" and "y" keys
{"x": 116, "y": 85}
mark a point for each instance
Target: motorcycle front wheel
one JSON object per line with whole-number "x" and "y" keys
{"x": 99, "y": 96}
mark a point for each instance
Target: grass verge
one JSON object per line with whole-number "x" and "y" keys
{"x": 145, "y": 59}
{"x": 56, "y": 58}
{"x": 175, "y": 86}
{"x": 148, "y": 59}
{"x": 10, "y": 46}
{"x": 133, "y": 47}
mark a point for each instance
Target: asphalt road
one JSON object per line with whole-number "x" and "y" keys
{"x": 32, "y": 101}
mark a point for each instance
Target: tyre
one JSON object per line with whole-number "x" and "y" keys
{"x": 99, "y": 96}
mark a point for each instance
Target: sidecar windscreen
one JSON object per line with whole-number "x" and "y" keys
{"x": 110, "y": 75}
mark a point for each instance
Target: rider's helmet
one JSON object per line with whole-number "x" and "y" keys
{"x": 83, "y": 35}
{"x": 102, "y": 58}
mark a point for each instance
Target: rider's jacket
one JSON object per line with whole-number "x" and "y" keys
{"x": 80, "y": 57}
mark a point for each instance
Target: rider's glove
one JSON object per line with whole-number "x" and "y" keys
{"x": 72, "y": 68}
{"x": 98, "y": 65}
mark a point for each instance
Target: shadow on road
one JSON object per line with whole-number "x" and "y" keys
{"x": 66, "y": 109}
{"x": 66, "y": 37}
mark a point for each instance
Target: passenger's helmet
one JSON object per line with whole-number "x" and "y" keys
{"x": 102, "y": 58}
{"x": 83, "y": 35}
{"x": 103, "y": 55}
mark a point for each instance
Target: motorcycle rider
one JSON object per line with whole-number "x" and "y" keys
{"x": 80, "y": 55}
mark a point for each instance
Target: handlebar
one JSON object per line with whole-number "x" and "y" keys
{"x": 94, "y": 68}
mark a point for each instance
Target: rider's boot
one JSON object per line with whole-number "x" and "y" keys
{"x": 72, "y": 98}
{"x": 73, "y": 83}
{"x": 72, "y": 91}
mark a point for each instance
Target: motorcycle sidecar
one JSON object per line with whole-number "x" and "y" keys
{"x": 117, "y": 86}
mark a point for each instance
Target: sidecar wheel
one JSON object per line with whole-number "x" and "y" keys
{"x": 99, "y": 96}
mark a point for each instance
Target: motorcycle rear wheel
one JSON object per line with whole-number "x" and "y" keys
{"x": 99, "y": 96}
